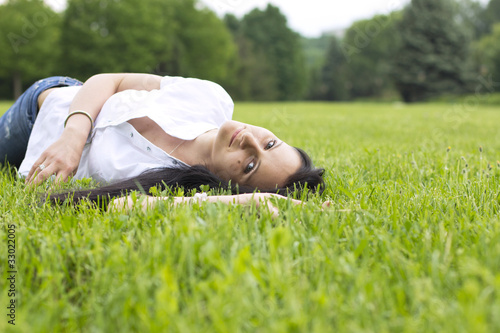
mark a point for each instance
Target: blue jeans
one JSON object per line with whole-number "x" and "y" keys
{"x": 16, "y": 124}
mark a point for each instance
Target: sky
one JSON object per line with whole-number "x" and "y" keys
{"x": 313, "y": 17}
{"x": 310, "y": 18}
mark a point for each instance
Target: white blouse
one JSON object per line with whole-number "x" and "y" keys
{"x": 182, "y": 107}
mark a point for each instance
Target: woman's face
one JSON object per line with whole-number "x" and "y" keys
{"x": 253, "y": 156}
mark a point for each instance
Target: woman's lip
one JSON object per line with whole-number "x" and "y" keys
{"x": 235, "y": 134}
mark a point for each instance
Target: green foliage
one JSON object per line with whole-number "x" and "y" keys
{"x": 315, "y": 49}
{"x": 29, "y": 33}
{"x": 433, "y": 58}
{"x": 488, "y": 53}
{"x": 333, "y": 74}
{"x": 421, "y": 52}
{"x": 315, "y": 52}
{"x": 473, "y": 16}
{"x": 410, "y": 244}
{"x": 148, "y": 36}
{"x": 493, "y": 12}
{"x": 370, "y": 46}
{"x": 115, "y": 36}
{"x": 253, "y": 80}
{"x": 265, "y": 35}
{"x": 203, "y": 47}
{"x": 360, "y": 64}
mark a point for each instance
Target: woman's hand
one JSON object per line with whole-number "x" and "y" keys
{"x": 262, "y": 200}
{"x": 60, "y": 159}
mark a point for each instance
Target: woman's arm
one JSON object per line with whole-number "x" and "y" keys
{"x": 62, "y": 157}
{"x": 260, "y": 200}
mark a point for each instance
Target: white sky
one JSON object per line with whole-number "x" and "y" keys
{"x": 312, "y": 17}
{"x": 308, "y": 17}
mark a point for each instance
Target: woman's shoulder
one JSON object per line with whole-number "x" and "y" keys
{"x": 197, "y": 91}
{"x": 193, "y": 84}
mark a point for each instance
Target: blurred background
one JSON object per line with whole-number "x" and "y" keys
{"x": 409, "y": 51}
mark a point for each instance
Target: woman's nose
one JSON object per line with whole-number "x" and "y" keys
{"x": 249, "y": 141}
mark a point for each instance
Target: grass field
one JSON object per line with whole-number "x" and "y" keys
{"x": 411, "y": 244}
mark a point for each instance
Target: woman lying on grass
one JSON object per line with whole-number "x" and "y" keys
{"x": 148, "y": 131}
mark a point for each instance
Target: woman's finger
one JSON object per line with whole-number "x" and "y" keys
{"x": 326, "y": 204}
{"x": 62, "y": 176}
{"x": 264, "y": 201}
{"x": 35, "y": 169}
{"x": 36, "y": 173}
{"x": 275, "y": 211}
{"x": 270, "y": 207}
{"x": 44, "y": 174}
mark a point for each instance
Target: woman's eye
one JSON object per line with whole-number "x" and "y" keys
{"x": 250, "y": 167}
{"x": 270, "y": 144}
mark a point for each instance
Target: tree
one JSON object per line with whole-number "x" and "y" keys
{"x": 161, "y": 36}
{"x": 369, "y": 47}
{"x": 269, "y": 35}
{"x": 493, "y": 12}
{"x": 474, "y": 17}
{"x": 315, "y": 49}
{"x": 488, "y": 53}
{"x": 203, "y": 46}
{"x": 433, "y": 58}
{"x": 332, "y": 76}
{"x": 115, "y": 36}
{"x": 28, "y": 40}
{"x": 255, "y": 80}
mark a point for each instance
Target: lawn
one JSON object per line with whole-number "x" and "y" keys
{"x": 411, "y": 244}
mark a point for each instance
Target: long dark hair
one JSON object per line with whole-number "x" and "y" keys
{"x": 191, "y": 178}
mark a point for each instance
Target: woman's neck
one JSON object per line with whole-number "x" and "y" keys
{"x": 199, "y": 150}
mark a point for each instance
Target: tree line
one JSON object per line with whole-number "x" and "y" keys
{"x": 428, "y": 49}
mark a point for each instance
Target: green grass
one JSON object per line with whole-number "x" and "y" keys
{"x": 4, "y": 105}
{"x": 411, "y": 244}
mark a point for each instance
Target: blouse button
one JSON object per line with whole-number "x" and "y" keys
{"x": 175, "y": 162}
{"x": 131, "y": 135}
{"x": 148, "y": 149}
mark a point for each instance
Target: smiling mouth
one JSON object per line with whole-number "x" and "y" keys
{"x": 235, "y": 135}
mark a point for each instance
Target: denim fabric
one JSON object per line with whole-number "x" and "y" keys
{"x": 16, "y": 124}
